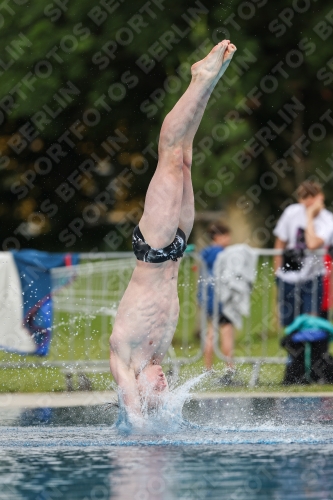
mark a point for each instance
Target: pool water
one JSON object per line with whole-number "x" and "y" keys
{"x": 234, "y": 449}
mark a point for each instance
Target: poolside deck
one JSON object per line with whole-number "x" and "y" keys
{"x": 76, "y": 398}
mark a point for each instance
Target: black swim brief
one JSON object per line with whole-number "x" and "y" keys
{"x": 146, "y": 253}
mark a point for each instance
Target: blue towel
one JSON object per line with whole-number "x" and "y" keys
{"x": 34, "y": 271}
{"x": 209, "y": 255}
{"x": 310, "y": 335}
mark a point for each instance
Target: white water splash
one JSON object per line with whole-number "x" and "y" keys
{"x": 166, "y": 417}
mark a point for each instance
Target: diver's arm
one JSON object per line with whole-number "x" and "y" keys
{"x": 126, "y": 381}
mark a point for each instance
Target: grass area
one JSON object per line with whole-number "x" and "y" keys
{"x": 84, "y": 335}
{"x": 52, "y": 380}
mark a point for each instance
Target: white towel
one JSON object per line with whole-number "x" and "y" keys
{"x": 13, "y": 335}
{"x": 234, "y": 272}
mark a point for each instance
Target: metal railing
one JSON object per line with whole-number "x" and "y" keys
{"x": 86, "y": 297}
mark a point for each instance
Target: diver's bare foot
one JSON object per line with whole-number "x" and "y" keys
{"x": 210, "y": 69}
{"x": 231, "y": 49}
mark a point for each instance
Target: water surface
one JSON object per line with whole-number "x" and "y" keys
{"x": 226, "y": 449}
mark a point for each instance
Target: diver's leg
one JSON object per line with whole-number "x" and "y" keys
{"x": 164, "y": 199}
{"x": 194, "y": 125}
{"x": 186, "y": 219}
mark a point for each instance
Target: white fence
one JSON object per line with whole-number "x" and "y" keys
{"x": 86, "y": 297}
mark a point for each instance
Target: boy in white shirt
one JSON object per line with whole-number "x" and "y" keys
{"x": 303, "y": 225}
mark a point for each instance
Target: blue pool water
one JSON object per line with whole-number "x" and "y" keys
{"x": 234, "y": 449}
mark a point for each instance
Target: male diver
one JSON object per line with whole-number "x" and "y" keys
{"x": 148, "y": 312}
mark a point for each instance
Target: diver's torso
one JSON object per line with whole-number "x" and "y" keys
{"x": 147, "y": 315}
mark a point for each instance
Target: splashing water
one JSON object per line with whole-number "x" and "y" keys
{"x": 166, "y": 417}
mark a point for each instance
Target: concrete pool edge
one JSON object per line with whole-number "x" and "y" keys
{"x": 72, "y": 399}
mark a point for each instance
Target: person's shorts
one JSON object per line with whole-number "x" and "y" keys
{"x": 222, "y": 320}
{"x": 299, "y": 298}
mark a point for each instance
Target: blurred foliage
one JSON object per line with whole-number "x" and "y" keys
{"x": 96, "y": 47}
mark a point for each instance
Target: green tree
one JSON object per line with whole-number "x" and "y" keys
{"x": 85, "y": 88}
